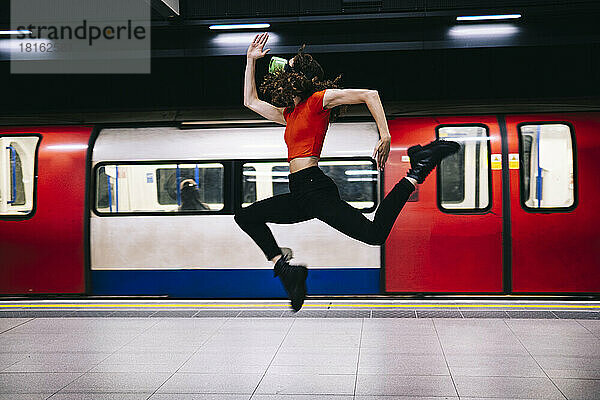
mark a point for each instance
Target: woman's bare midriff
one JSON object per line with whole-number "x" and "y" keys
{"x": 301, "y": 163}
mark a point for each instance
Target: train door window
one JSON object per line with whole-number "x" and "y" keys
{"x": 17, "y": 174}
{"x": 154, "y": 187}
{"x": 464, "y": 177}
{"x": 356, "y": 180}
{"x": 547, "y": 168}
{"x": 261, "y": 180}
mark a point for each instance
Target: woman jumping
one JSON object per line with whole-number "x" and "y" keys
{"x": 305, "y": 104}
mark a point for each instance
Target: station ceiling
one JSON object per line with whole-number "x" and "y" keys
{"x": 413, "y": 51}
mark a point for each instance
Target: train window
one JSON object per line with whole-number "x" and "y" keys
{"x": 249, "y": 185}
{"x": 547, "y": 168}
{"x": 464, "y": 177}
{"x": 159, "y": 187}
{"x": 356, "y": 180}
{"x": 17, "y": 174}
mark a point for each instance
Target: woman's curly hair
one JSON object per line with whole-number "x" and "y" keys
{"x": 281, "y": 87}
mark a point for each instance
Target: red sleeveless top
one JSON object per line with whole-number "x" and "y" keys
{"x": 306, "y": 126}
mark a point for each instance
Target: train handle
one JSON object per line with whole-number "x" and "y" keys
{"x": 13, "y": 169}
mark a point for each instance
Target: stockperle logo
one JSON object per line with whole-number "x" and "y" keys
{"x": 79, "y": 36}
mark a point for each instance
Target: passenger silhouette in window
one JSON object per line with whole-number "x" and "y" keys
{"x": 190, "y": 196}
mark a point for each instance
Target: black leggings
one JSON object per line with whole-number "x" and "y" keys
{"x": 314, "y": 195}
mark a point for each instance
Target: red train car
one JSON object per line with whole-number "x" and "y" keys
{"x": 514, "y": 212}
{"x": 43, "y": 190}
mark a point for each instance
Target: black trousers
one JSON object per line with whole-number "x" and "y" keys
{"x": 314, "y": 195}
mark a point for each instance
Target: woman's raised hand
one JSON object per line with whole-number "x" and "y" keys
{"x": 255, "y": 50}
{"x": 382, "y": 150}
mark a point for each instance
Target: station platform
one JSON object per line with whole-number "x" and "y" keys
{"x": 331, "y": 349}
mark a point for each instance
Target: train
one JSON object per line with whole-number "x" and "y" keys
{"x": 101, "y": 209}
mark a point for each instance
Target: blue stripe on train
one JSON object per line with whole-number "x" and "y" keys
{"x": 230, "y": 283}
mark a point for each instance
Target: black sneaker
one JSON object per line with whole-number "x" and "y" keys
{"x": 293, "y": 278}
{"x": 423, "y": 159}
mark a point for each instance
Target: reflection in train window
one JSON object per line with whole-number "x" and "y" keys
{"x": 249, "y": 185}
{"x": 17, "y": 174}
{"x": 463, "y": 178}
{"x": 547, "y": 171}
{"x": 356, "y": 180}
{"x": 159, "y": 187}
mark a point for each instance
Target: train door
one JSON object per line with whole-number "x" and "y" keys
{"x": 42, "y": 199}
{"x": 554, "y": 197}
{"x": 448, "y": 237}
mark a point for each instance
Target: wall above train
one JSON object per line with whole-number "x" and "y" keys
{"x": 410, "y": 51}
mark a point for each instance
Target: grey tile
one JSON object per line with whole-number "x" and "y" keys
{"x": 311, "y": 358}
{"x": 348, "y": 314}
{"x": 438, "y": 314}
{"x": 260, "y": 314}
{"x": 125, "y": 382}
{"x": 529, "y": 388}
{"x": 560, "y": 327}
{"x": 58, "y": 362}
{"x": 407, "y": 398}
{"x": 481, "y": 360}
{"x": 577, "y": 314}
{"x": 575, "y": 348}
{"x": 299, "y": 397}
{"x": 9, "y": 323}
{"x": 506, "y": 349}
{"x": 46, "y": 313}
{"x": 590, "y": 325}
{"x": 428, "y": 344}
{"x": 471, "y": 326}
{"x": 92, "y": 314}
{"x": 133, "y": 313}
{"x": 34, "y": 382}
{"x": 530, "y": 314}
{"x": 174, "y": 313}
{"x": 100, "y": 396}
{"x": 313, "y": 369}
{"x": 573, "y": 373}
{"x": 333, "y": 326}
{"x": 211, "y": 383}
{"x": 402, "y": 364}
{"x": 231, "y": 362}
{"x": 562, "y": 362}
{"x": 217, "y": 314}
{"x": 25, "y": 396}
{"x": 404, "y": 385}
{"x": 306, "y": 384}
{"x": 15, "y": 314}
{"x": 199, "y": 396}
{"x": 305, "y": 314}
{"x": 141, "y": 362}
{"x": 484, "y": 314}
{"x": 394, "y": 314}
{"x": 348, "y": 341}
{"x": 579, "y": 389}
{"x": 95, "y": 326}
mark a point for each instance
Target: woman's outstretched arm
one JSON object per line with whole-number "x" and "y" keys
{"x": 337, "y": 97}
{"x": 251, "y": 99}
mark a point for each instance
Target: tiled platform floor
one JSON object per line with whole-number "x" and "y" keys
{"x": 171, "y": 356}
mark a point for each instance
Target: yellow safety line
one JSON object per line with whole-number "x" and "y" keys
{"x": 306, "y": 305}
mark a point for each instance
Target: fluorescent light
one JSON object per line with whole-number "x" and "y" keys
{"x": 239, "y": 38}
{"x": 487, "y": 17}
{"x": 239, "y": 26}
{"x": 21, "y": 32}
{"x": 483, "y": 30}
{"x": 67, "y": 146}
{"x": 360, "y": 172}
